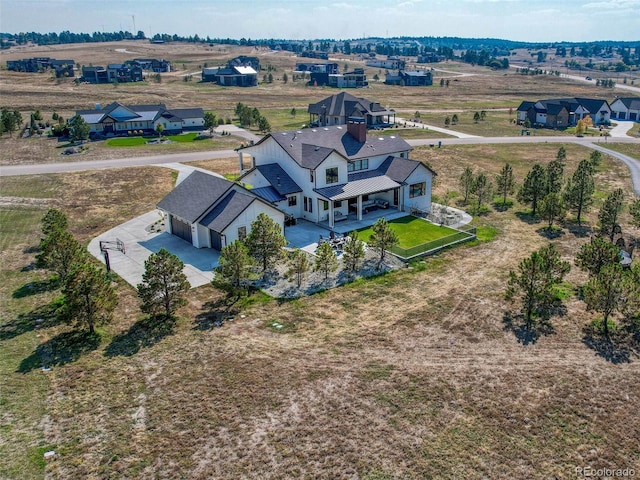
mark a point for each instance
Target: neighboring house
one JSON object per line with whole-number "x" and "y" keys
{"x": 315, "y": 54}
{"x": 391, "y": 63}
{"x": 115, "y": 72}
{"x": 151, "y": 64}
{"x": 563, "y": 112}
{"x": 245, "y": 61}
{"x": 211, "y": 212}
{"x": 626, "y": 109}
{"x": 355, "y": 79}
{"x": 429, "y": 57}
{"x": 326, "y": 174}
{"x": 317, "y": 67}
{"x": 63, "y": 68}
{"x": 231, "y": 77}
{"x": 338, "y": 109}
{"x": 410, "y": 78}
{"x": 118, "y": 119}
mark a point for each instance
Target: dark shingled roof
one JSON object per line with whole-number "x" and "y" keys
{"x": 183, "y": 113}
{"x": 227, "y": 211}
{"x": 278, "y": 178}
{"x": 344, "y": 105}
{"x": 191, "y": 198}
{"x": 632, "y": 103}
{"x": 398, "y": 169}
{"x": 309, "y": 147}
{"x": 524, "y": 106}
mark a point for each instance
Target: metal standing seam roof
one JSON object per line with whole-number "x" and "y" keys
{"x": 363, "y": 186}
{"x": 269, "y": 194}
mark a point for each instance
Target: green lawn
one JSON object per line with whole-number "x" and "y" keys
{"x": 412, "y": 231}
{"x": 137, "y": 141}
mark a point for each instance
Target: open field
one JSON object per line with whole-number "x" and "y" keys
{"x": 414, "y": 374}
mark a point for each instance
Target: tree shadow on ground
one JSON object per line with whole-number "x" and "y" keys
{"x": 144, "y": 333}
{"x": 527, "y": 333}
{"x": 502, "y": 207}
{"x": 528, "y": 218}
{"x": 216, "y": 312}
{"x": 580, "y": 231}
{"x": 36, "y": 287}
{"x": 617, "y": 348}
{"x": 40, "y": 317}
{"x": 550, "y": 233}
{"x": 64, "y": 348}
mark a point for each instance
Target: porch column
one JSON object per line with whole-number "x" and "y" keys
{"x": 331, "y": 219}
{"x": 359, "y": 209}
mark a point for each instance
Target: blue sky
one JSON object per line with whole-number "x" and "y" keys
{"x": 527, "y": 20}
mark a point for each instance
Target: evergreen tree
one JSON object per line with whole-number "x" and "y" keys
{"x": 597, "y": 254}
{"x": 164, "y": 285}
{"x": 234, "y": 265}
{"x": 298, "y": 265}
{"x": 534, "y": 187}
{"x": 326, "y": 261}
{"x": 89, "y": 299}
{"x": 595, "y": 158}
{"x": 634, "y": 210}
{"x": 265, "y": 241}
{"x": 482, "y": 189}
{"x": 561, "y": 156}
{"x": 352, "y": 252}
{"x": 476, "y": 117}
{"x": 505, "y": 183}
{"x": 466, "y": 182}
{"x": 60, "y": 252}
{"x": 603, "y": 292}
{"x": 534, "y": 281}
{"x": 383, "y": 237}
{"x": 54, "y": 219}
{"x": 578, "y": 193}
{"x": 610, "y": 213}
{"x": 555, "y": 176}
{"x": 78, "y": 129}
{"x": 552, "y": 209}
{"x": 263, "y": 125}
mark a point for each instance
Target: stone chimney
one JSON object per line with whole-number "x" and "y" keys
{"x": 358, "y": 130}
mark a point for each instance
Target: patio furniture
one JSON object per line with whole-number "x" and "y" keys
{"x": 339, "y": 217}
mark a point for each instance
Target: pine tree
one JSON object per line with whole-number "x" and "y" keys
{"x": 603, "y": 292}
{"x": 597, "y": 254}
{"x": 534, "y": 187}
{"x": 352, "y": 252}
{"x": 482, "y": 189}
{"x": 54, "y": 219}
{"x": 89, "y": 298}
{"x": 466, "y": 182}
{"x": 265, "y": 241}
{"x": 552, "y": 209}
{"x": 298, "y": 265}
{"x": 610, "y": 213}
{"x": 595, "y": 158}
{"x": 578, "y": 193}
{"x": 555, "y": 176}
{"x": 164, "y": 285}
{"x": 505, "y": 183}
{"x": 534, "y": 281}
{"x": 326, "y": 261}
{"x": 561, "y": 156}
{"x": 78, "y": 129}
{"x": 383, "y": 237}
{"x": 61, "y": 253}
{"x": 234, "y": 265}
{"x": 634, "y": 210}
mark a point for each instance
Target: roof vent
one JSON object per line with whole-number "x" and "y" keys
{"x": 291, "y": 145}
{"x": 316, "y": 149}
{"x": 326, "y": 128}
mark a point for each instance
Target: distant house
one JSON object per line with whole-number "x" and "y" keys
{"x": 63, "y": 68}
{"x": 429, "y": 57}
{"x": 317, "y": 67}
{"x": 355, "y": 79}
{"x": 626, "y": 109}
{"x": 115, "y": 72}
{"x": 211, "y": 212}
{"x": 410, "y": 78}
{"x": 241, "y": 71}
{"x": 315, "y": 54}
{"x": 231, "y": 77}
{"x": 390, "y": 63}
{"x": 326, "y": 175}
{"x": 563, "y": 112}
{"x": 151, "y": 64}
{"x": 341, "y": 108}
{"x": 118, "y": 119}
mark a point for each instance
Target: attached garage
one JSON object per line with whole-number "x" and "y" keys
{"x": 181, "y": 229}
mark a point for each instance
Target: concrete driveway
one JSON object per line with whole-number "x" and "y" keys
{"x": 139, "y": 243}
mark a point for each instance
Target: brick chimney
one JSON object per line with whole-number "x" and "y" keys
{"x": 358, "y": 130}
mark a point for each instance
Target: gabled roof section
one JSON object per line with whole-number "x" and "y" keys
{"x": 525, "y": 106}
{"x": 343, "y": 105}
{"x": 399, "y": 169}
{"x": 225, "y": 212}
{"x": 269, "y": 194}
{"x": 278, "y": 178}
{"x": 311, "y": 146}
{"x": 184, "y": 113}
{"x": 632, "y": 103}
{"x": 592, "y": 104}
{"x": 195, "y": 195}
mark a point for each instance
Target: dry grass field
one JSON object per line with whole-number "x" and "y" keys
{"x": 420, "y": 373}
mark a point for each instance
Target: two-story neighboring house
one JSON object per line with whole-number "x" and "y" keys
{"x": 326, "y": 174}
{"x": 338, "y": 109}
